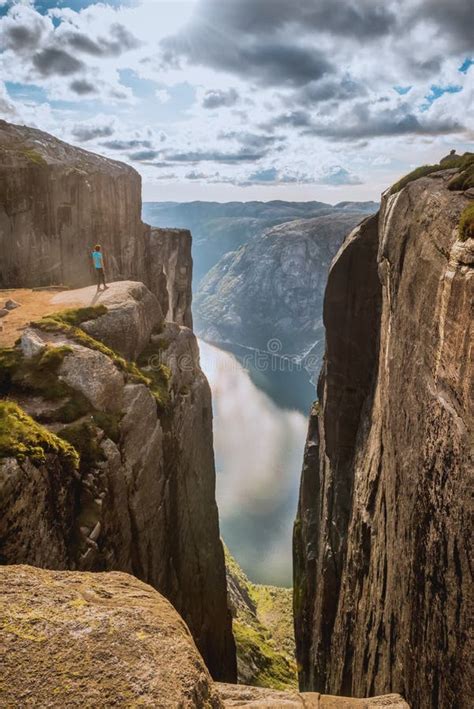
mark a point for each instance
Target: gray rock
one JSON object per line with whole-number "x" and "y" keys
{"x": 31, "y": 342}
{"x": 12, "y": 304}
{"x": 4, "y": 312}
{"x": 94, "y": 375}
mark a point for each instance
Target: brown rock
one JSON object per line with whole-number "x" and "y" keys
{"x": 57, "y": 201}
{"x": 89, "y": 640}
{"x": 240, "y": 696}
{"x": 382, "y": 576}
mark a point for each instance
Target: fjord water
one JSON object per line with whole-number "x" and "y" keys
{"x": 258, "y": 446}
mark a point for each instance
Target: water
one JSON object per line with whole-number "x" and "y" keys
{"x": 259, "y": 451}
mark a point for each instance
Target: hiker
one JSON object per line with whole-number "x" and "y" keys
{"x": 98, "y": 260}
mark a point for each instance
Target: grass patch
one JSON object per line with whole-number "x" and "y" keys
{"x": 109, "y": 423}
{"x": 21, "y": 437}
{"x": 272, "y": 668}
{"x": 463, "y": 180}
{"x": 38, "y": 374}
{"x": 33, "y": 156}
{"x": 466, "y": 223}
{"x": 76, "y": 316}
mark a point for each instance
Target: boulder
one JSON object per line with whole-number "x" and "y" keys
{"x": 31, "y": 342}
{"x": 3, "y": 312}
{"x": 133, "y": 312}
{"x": 81, "y": 639}
{"x": 94, "y": 375}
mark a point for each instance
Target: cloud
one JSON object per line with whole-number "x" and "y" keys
{"x": 82, "y": 87}
{"x": 338, "y": 175}
{"x": 86, "y": 132}
{"x": 56, "y": 61}
{"x": 452, "y": 20}
{"x": 218, "y": 98}
{"x": 126, "y": 144}
{"x": 142, "y": 155}
{"x": 122, "y": 40}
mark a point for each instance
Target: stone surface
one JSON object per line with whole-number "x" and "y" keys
{"x": 258, "y": 698}
{"x": 144, "y": 501}
{"x": 271, "y": 289}
{"x": 57, "y": 201}
{"x": 381, "y": 570}
{"x": 31, "y": 342}
{"x": 133, "y": 312}
{"x": 89, "y": 640}
{"x": 12, "y": 304}
{"x": 170, "y": 254}
{"x": 94, "y": 375}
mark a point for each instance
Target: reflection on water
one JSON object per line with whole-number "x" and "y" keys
{"x": 259, "y": 451}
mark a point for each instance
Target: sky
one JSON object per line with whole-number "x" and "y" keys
{"x": 246, "y": 99}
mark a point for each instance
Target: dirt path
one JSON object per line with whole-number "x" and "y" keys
{"x": 34, "y": 305}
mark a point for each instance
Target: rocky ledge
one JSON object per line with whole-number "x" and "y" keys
{"x": 106, "y": 456}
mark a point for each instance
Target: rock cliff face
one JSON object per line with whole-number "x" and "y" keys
{"x": 58, "y": 201}
{"x": 272, "y": 287}
{"x": 381, "y": 540}
{"x": 115, "y": 469}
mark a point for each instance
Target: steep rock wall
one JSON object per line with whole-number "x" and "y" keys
{"x": 381, "y": 540}
{"x": 58, "y": 201}
{"x": 142, "y": 499}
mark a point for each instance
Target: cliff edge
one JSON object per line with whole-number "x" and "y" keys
{"x": 382, "y": 579}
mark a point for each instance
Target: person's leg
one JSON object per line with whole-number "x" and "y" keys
{"x": 98, "y": 273}
{"x": 103, "y": 279}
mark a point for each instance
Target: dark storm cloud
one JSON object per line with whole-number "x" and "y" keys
{"x": 53, "y": 61}
{"x": 82, "y": 87}
{"x": 330, "y": 90}
{"x": 255, "y": 141}
{"x": 229, "y": 157}
{"x": 291, "y": 119}
{"x": 268, "y": 62}
{"x": 85, "y": 133}
{"x": 364, "y": 19}
{"x": 454, "y": 19}
{"x": 126, "y": 144}
{"x": 218, "y": 98}
{"x": 122, "y": 40}
{"x": 361, "y": 123}
{"x": 142, "y": 155}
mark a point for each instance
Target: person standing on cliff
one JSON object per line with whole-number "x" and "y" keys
{"x": 98, "y": 259}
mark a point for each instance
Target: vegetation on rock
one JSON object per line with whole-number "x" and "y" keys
{"x": 466, "y": 223}
{"x": 21, "y": 437}
{"x": 461, "y": 181}
{"x": 263, "y": 630}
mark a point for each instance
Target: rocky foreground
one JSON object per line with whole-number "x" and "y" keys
{"x": 382, "y": 577}
{"x": 106, "y": 639}
{"x": 106, "y": 455}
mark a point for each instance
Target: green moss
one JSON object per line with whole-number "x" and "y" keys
{"x": 109, "y": 423}
{"x": 83, "y": 438}
{"x": 466, "y": 223}
{"x": 76, "y": 316}
{"x": 463, "y": 180}
{"x": 33, "y": 156}
{"x": 155, "y": 378}
{"x": 38, "y": 374}
{"x": 21, "y": 437}
{"x": 272, "y": 668}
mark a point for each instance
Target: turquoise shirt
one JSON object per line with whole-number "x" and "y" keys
{"x": 97, "y": 258}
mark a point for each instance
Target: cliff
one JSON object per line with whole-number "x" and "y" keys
{"x": 382, "y": 579}
{"x": 106, "y": 639}
{"x": 262, "y": 623}
{"x": 272, "y": 288}
{"x": 58, "y": 201}
{"x": 106, "y": 455}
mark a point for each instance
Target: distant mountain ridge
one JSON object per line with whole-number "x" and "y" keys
{"x": 220, "y": 227}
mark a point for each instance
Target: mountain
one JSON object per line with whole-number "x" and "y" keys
{"x": 382, "y": 584}
{"x": 268, "y": 294}
{"x": 218, "y": 228}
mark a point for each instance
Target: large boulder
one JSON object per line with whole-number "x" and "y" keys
{"x": 133, "y": 312}
{"x": 95, "y": 640}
